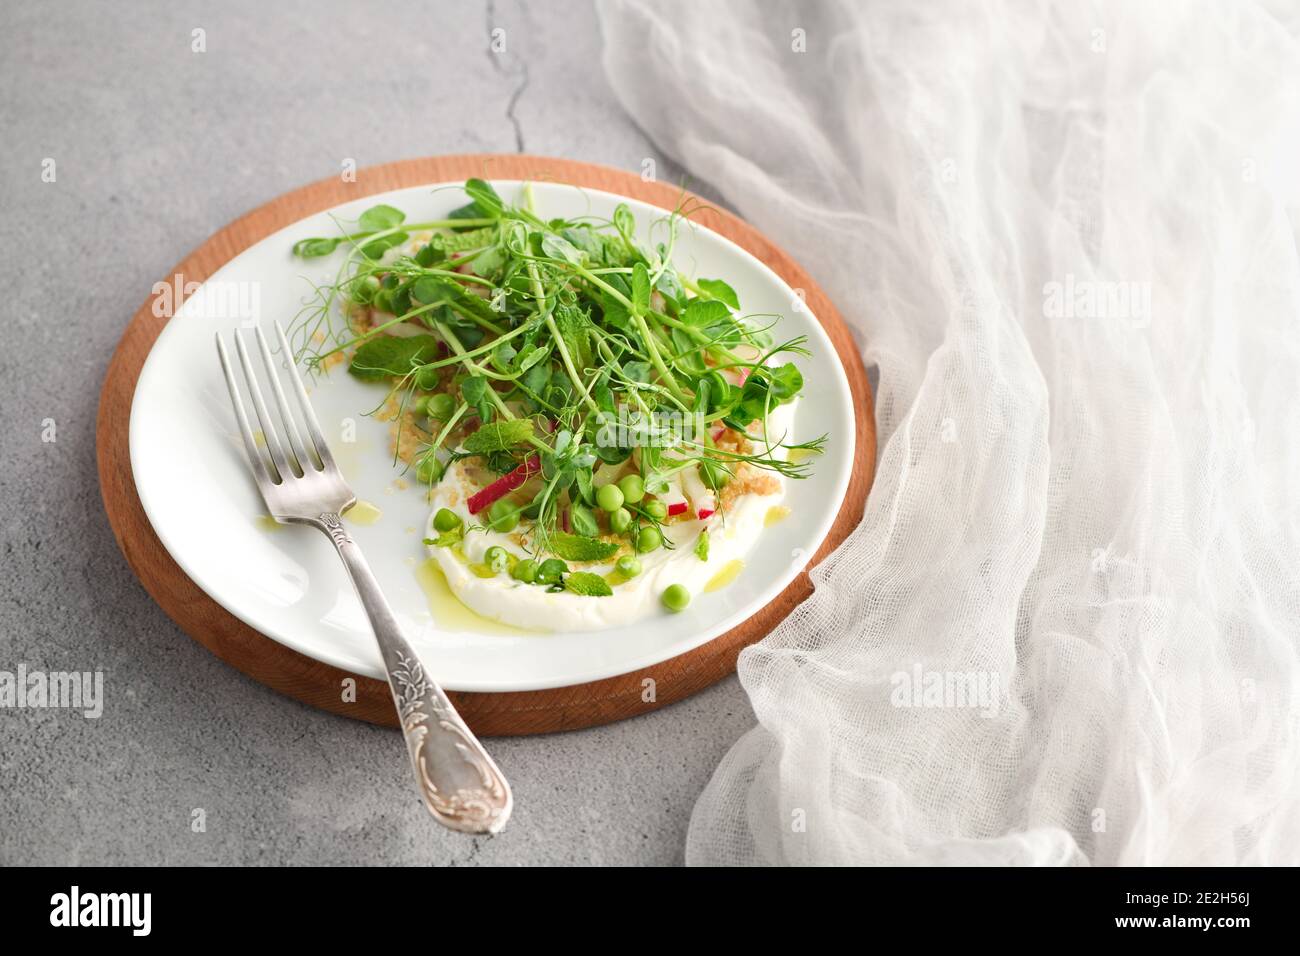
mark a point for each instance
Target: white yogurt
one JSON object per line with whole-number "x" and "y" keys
{"x": 532, "y": 606}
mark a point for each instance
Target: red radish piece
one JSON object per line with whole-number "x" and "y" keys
{"x": 504, "y": 485}
{"x": 677, "y": 508}
{"x": 702, "y": 500}
{"x": 719, "y": 432}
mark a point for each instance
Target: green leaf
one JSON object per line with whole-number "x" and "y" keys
{"x": 573, "y": 547}
{"x": 612, "y": 454}
{"x": 428, "y": 289}
{"x": 429, "y": 254}
{"x": 560, "y": 248}
{"x": 485, "y": 198}
{"x": 499, "y": 436}
{"x": 381, "y": 217}
{"x": 390, "y": 355}
{"x": 587, "y": 584}
{"x": 536, "y": 378}
{"x": 474, "y": 391}
{"x": 580, "y": 516}
{"x": 585, "y": 481}
{"x": 465, "y": 237}
{"x": 446, "y": 539}
{"x": 488, "y": 263}
{"x": 640, "y": 289}
{"x": 315, "y": 248}
{"x": 670, "y": 288}
{"x": 575, "y": 330}
{"x": 705, "y": 312}
{"x": 377, "y": 247}
{"x": 585, "y": 239}
{"x": 786, "y": 383}
{"x": 718, "y": 289}
{"x": 532, "y": 357}
{"x": 656, "y": 484}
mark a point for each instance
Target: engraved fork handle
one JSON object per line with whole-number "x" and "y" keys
{"x": 460, "y": 783}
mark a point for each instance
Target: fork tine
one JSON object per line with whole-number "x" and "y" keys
{"x": 308, "y": 414}
{"x": 263, "y": 416}
{"x": 296, "y": 448}
{"x": 250, "y": 446}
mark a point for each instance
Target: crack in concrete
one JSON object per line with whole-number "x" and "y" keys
{"x": 521, "y": 73}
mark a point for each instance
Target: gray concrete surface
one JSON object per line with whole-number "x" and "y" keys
{"x": 155, "y": 147}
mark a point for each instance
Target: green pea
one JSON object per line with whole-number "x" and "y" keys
{"x": 384, "y": 302}
{"x": 648, "y": 538}
{"x": 446, "y": 520}
{"x": 620, "y": 521}
{"x": 655, "y": 509}
{"x": 439, "y": 405}
{"x": 633, "y": 488}
{"x": 628, "y": 566}
{"x": 551, "y": 571}
{"x": 502, "y": 516}
{"x": 610, "y": 498}
{"x": 675, "y": 597}
{"x": 429, "y": 470}
{"x": 496, "y": 558}
{"x": 525, "y": 570}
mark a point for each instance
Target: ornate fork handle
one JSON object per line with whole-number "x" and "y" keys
{"x": 460, "y": 783}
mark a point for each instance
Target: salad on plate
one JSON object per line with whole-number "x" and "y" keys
{"x": 602, "y": 436}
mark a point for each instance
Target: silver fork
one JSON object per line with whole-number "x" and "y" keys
{"x": 461, "y": 785}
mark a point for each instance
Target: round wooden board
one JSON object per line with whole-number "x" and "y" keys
{"x": 308, "y": 680}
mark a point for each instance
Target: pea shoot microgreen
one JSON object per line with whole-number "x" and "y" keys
{"x": 556, "y": 355}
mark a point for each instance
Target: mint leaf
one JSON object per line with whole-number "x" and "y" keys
{"x": 499, "y": 436}
{"x": 390, "y": 355}
{"x": 587, "y": 584}
{"x": 468, "y": 237}
{"x": 584, "y": 522}
{"x": 575, "y": 328}
{"x": 574, "y": 547}
{"x": 446, "y": 539}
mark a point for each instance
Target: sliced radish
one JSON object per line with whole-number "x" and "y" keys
{"x": 700, "y": 495}
{"x": 677, "y": 508}
{"x": 504, "y": 485}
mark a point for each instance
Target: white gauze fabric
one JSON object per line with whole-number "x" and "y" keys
{"x": 1066, "y": 630}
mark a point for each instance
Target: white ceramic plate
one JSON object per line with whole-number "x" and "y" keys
{"x": 287, "y": 582}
